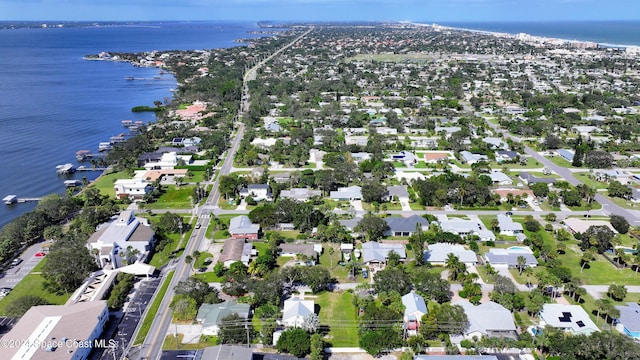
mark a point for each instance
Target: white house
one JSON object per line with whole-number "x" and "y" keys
{"x": 295, "y": 310}
{"x": 259, "y": 192}
{"x": 438, "y": 253}
{"x": 487, "y": 320}
{"x": 570, "y": 318}
{"x": 414, "y": 309}
{"x": 508, "y": 226}
{"x": 133, "y": 189}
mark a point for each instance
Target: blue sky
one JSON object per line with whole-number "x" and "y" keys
{"x": 318, "y": 10}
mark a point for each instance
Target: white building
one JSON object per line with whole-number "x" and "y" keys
{"x": 295, "y": 310}
{"x": 125, "y": 239}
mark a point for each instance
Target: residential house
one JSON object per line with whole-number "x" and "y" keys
{"x": 495, "y": 143}
{"x": 500, "y": 178}
{"x": 241, "y": 227}
{"x": 398, "y": 192}
{"x": 295, "y": 310}
{"x": 401, "y": 226}
{"x": 211, "y": 315}
{"x": 375, "y": 254}
{"x": 347, "y": 193}
{"x": 258, "y": 192}
{"x": 123, "y": 240}
{"x": 447, "y": 130}
{"x": 168, "y": 160}
{"x": 529, "y": 179}
{"x": 294, "y": 250}
{"x": 620, "y": 176}
{"x": 576, "y": 225}
{"x": 487, "y": 320}
{"x": 509, "y": 257}
{"x": 316, "y": 156}
{"x": 436, "y": 157}
{"x": 350, "y": 224}
{"x": 570, "y": 318}
{"x": 406, "y": 157}
{"x": 437, "y": 254}
{"x": 456, "y": 357}
{"x": 470, "y": 158}
{"x": 506, "y": 155}
{"x": 458, "y": 226}
{"x": 133, "y": 189}
{"x": 508, "y": 226}
{"x": 299, "y": 194}
{"x": 234, "y": 250}
{"x": 628, "y": 322}
{"x": 360, "y": 157}
{"x": 56, "y": 331}
{"x": 281, "y": 178}
{"x": 566, "y": 154}
{"x": 503, "y": 193}
{"x": 414, "y": 309}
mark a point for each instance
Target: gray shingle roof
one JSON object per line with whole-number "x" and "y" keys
{"x": 376, "y": 252}
{"x": 630, "y": 316}
{"x": 405, "y": 224}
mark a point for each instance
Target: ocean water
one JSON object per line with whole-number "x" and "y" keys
{"x": 603, "y": 32}
{"x": 53, "y": 103}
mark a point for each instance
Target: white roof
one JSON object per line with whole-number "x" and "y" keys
{"x": 580, "y": 226}
{"x": 487, "y": 317}
{"x": 572, "y": 318}
{"x": 440, "y": 251}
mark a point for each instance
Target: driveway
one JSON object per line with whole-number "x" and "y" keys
{"x": 12, "y": 276}
{"x": 357, "y": 205}
{"x": 404, "y": 202}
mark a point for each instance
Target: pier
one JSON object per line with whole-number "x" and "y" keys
{"x": 85, "y": 168}
{"x": 12, "y": 199}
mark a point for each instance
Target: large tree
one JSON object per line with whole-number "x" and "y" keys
{"x": 598, "y": 236}
{"x": 69, "y": 262}
{"x": 373, "y": 226}
{"x": 373, "y": 191}
{"x": 392, "y": 279}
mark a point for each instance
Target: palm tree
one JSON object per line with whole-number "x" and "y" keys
{"x": 456, "y": 268}
{"x": 522, "y": 263}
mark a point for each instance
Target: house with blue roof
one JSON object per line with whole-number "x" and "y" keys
{"x": 414, "y": 309}
{"x": 628, "y": 322}
{"x": 566, "y": 154}
{"x": 376, "y": 254}
{"x": 401, "y": 226}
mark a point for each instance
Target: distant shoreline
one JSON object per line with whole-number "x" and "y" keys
{"x": 515, "y": 34}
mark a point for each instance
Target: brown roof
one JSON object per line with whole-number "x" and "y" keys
{"x": 59, "y": 324}
{"x": 514, "y": 192}
{"x": 436, "y": 156}
{"x": 232, "y": 250}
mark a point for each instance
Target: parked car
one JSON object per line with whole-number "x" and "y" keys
{"x": 40, "y": 254}
{"x": 16, "y": 261}
{"x": 4, "y": 291}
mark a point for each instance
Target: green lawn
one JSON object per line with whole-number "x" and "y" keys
{"x": 173, "y": 198}
{"x": 169, "y": 252}
{"x": 105, "y": 183}
{"x": 559, "y": 161}
{"x": 584, "y": 207}
{"x": 175, "y": 343}
{"x": 152, "y": 311}
{"x": 586, "y": 178}
{"x": 338, "y": 312}
{"x": 32, "y": 284}
{"x": 624, "y": 203}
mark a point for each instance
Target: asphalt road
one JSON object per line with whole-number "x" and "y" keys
{"x": 608, "y": 206}
{"x": 152, "y": 346}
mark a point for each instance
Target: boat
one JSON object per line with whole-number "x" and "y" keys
{"x": 117, "y": 139}
{"x": 67, "y": 168}
{"x": 128, "y": 77}
{"x": 104, "y": 146}
{"x": 127, "y": 123}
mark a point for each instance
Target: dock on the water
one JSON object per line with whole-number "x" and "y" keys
{"x": 12, "y": 199}
{"x": 67, "y": 168}
{"x": 90, "y": 168}
{"x": 82, "y": 155}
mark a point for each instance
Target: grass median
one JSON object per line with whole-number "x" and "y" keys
{"x": 153, "y": 309}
